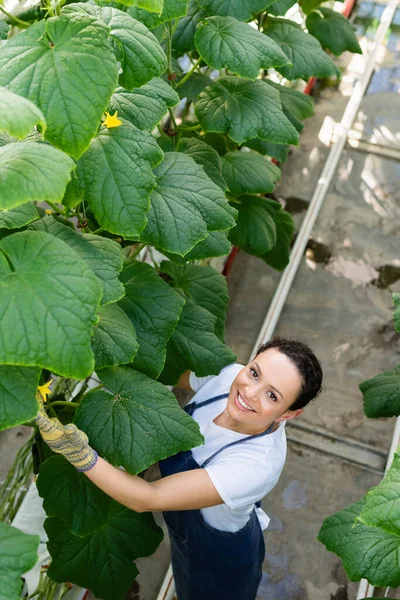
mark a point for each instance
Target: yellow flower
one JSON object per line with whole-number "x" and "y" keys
{"x": 48, "y": 211}
{"x": 44, "y": 389}
{"x": 112, "y": 121}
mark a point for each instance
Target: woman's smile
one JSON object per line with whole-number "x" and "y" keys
{"x": 241, "y": 404}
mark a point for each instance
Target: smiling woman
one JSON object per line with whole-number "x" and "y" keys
{"x": 210, "y": 495}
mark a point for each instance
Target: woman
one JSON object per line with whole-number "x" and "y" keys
{"x": 209, "y": 494}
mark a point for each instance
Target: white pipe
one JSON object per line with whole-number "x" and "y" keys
{"x": 324, "y": 182}
{"x": 167, "y": 590}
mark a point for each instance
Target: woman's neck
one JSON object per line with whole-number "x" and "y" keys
{"x": 227, "y": 422}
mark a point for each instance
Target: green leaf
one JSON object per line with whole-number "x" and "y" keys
{"x": 249, "y": 172}
{"x": 18, "y": 554}
{"x": 382, "y": 394}
{"x": 382, "y": 505}
{"x": 139, "y": 423}
{"x": 255, "y": 231}
{"x": 183, "y": 38}
{"x": 303, "y": 50}
{"x": 48, "y": 303}
{"x": 138, "y": 50}
{"x": 224, "y": 42}
{"x": 244, "y": 109}
{"x": 18, "y": 217}
{"x": 114, "y": 338}
{"x": 154, "y": 309}
{"x": 150, "y": 5}
{"x": 71, "y": 496}
{"x": 396, "y": 312}
{"x": 195, "y": 346}
{"x": 240, "y": 10}
{"x": 205, "y": 156}
{"x": 102, "y": 255}
{"x": 32, "y": 171}
{"x": 281, "y": 7}
{"x": 366, "y": 552}
{"x": 277, "y": 151}
{"x": 300, "y": 105}
{"x": 18, "y": 115}
{"x": 4, "y": 30}
{"x": 144, "y": 107}
{"x": 185, "y": 206}
{"x": 215, "y": 244}
{"x": 119, "y": 178}
{"x": 194, "y": 86}
{"x": 204, "y": 286}
{"x": 278, "y": 257}
{"x": 102, "y": 560}
{"x": 49, "y": 64}
{"x": 333, "y": 31}
{"x": 18, "y": 386}
{"x": 173, "y": 9}
{"x": 309, "y": 5}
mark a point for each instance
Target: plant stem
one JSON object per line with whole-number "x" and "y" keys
{"x": 169, "y": 52}
{"x": 138, "y": 250}
{"x": 171, "y": 114}
{"x": 54, "y": 207}
{"x": 62, "y": 403}
{"x": 189, "y": 73}
{"x": 14, "y": 20}
{"x": 96, "y": 231}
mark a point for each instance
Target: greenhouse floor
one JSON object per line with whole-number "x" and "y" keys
{"x": 340, "y": 304}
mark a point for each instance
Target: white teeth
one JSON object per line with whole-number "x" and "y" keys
{"x": 243, "y": 403}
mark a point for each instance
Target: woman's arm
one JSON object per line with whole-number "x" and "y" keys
{"x": 183, "y": 382}
{"x": 182, "y": 491}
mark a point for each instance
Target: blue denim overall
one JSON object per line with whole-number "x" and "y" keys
{"x": 209, "y": 564}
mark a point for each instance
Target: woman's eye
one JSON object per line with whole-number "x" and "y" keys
{"x": 254, "y": 373}
{"x": 272, "y": 396}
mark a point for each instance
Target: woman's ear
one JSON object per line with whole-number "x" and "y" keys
{"x": 290, "y": 414}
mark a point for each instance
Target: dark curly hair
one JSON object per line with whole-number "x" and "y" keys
{"x": 306, "y": 363}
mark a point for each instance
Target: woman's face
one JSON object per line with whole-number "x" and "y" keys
{"x": 263, "y": 391}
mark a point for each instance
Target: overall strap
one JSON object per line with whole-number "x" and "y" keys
{"x": 251, "y": 437}
{"x": 190, "y": 408}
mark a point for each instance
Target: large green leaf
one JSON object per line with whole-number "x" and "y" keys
{"x": 18, "y": 554}
{"x": 277, "y": 151}
{"x": 18, "y": 386}
{"x": 48, "y": 303}
{"x": 249, "y": 172}
{"x": 183, "y": 38}
{"x": 382, "y": 505}
{"x": 244, "y": 109}
{"x": 205, "y": 156}
{"x": 194, "y": 346}
{"x": 333, "y": 31}
{"x": 66, "y": 66}
{"x": 239, "y": 9}
{"x": 278, "y": 257}
{"x": 144, "y": 107}
{"x": 19, "y": 115}
{"x": 154, "y": 309}
{"x": 71, "y": 496}
{"x": 382, "y": 394}
{"x": 173, "y": 9}
{"x": 191, "y": 88}
{"x": 304, "y": 51}
{"x": 366, "y": 552}
{"x": 151, "y": 5}
{"x": 185, "y": 206}
{"x": 215, "y": 244}
{"x": 119, "y": 178}
{"x": 255, "y": 231}
{"x": 140, "y": 55}
{"x": 102, "y": 560}
{"x": 102, "y": 255}
{"x": 309, "y": 5}
{"x": 224, "y": 42}
{"x": 32, "y": 171}
{"x": 300, "y": 105}
{"x": 281, "y": 7}
{"x": 396, "y": 312}
{"x": 204, "y": 286}
{"x": 138, "y": 423}
{"x": 18, "y": 217}
{"x": 114, "y": 338}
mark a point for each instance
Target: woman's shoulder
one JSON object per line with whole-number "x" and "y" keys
{"x": 224, "y": 377}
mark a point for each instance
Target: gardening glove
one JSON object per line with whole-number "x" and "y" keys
{"x": 67, "y": 440}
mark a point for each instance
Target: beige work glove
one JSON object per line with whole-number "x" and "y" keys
{"x": 67, "y": 440}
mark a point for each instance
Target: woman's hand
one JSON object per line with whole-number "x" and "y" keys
{"x": 67, "y": 440}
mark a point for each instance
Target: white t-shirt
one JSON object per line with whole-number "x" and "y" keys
{"x": 242, "y": 474}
